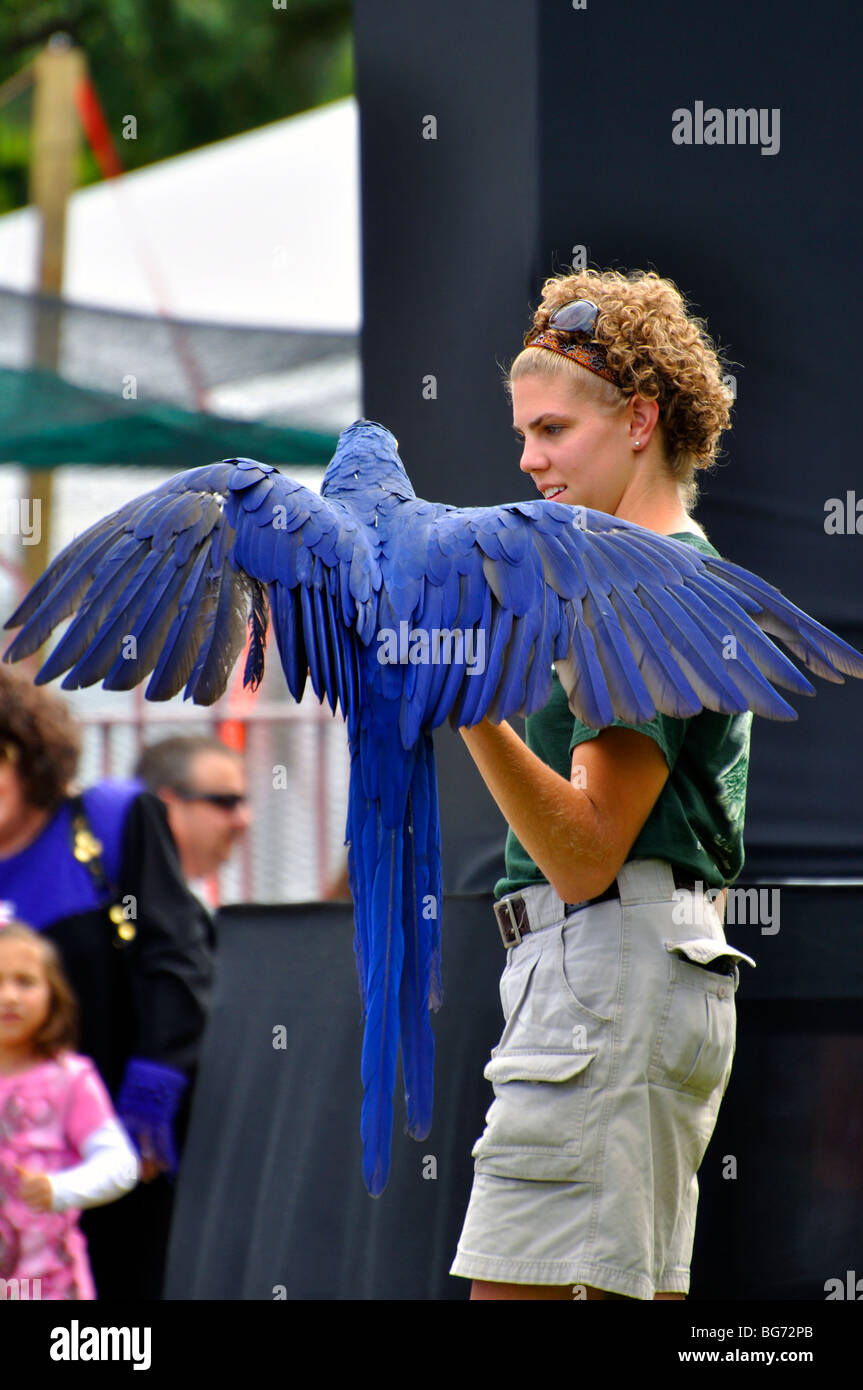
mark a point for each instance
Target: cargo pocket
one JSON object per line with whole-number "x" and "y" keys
{"x": 588, "y": 971}
{"x": 697, "y": 1032}
{"x": 707, "y": 952}
{"x": 534, "y": 1125}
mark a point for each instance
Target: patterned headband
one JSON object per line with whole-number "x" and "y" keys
{"x": 588, "y": 355}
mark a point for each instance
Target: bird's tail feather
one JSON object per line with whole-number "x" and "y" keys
{"x": 395, "y": 880}
{"x": 381, "y": 1038}
{"x": 420, "y": 983}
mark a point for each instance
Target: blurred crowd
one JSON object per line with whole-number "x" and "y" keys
{"x": 107, "y": 962}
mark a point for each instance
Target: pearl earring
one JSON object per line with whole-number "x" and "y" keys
{"x": 637, "y": 444}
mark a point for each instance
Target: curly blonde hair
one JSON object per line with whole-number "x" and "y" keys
{"x": 656, "y": 348}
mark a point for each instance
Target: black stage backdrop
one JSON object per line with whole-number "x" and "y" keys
{"x": 502, "y": 143}
{"x": 271, "y": 1201}
{"x": 498, "y": 145}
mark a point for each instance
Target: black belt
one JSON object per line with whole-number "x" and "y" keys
{"x": 512, "y": 913}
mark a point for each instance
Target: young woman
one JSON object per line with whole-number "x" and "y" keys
{"x": 618, "y": 990}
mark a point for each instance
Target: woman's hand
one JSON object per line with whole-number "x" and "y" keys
{"x": 577, "y": 832}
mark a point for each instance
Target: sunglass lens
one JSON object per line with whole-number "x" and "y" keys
{"x": 579, "y": 316}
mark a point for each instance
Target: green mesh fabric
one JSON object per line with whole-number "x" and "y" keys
{"x": 66, "y": 370}
{"x": 45, "y": 420}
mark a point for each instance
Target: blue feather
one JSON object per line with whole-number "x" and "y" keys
{"x": 421, "y": 909}
{"x": 183, "y": 640}
{"x": 381, "y": 1038}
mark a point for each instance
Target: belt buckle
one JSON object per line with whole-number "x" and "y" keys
{"x": 502, "y": 911}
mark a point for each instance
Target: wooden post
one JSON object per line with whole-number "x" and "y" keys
{"x": 54, "y": 153}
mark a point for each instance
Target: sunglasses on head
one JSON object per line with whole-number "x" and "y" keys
{"x": 226, "y": 801}
{"x": 577, "y": 316}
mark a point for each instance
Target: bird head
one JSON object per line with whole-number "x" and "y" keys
{"x": 366, "y": 457}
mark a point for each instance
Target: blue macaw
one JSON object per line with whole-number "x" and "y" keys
{"x": 405, "y": 613}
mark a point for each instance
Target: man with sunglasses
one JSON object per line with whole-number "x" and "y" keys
{"x": 202, "y": 783}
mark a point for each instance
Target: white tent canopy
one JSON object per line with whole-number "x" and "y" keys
{"x": 262, "y": 229}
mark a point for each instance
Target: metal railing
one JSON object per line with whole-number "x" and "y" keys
{"x": 293, "y": 850}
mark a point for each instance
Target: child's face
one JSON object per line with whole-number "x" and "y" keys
{"x": 25, "y": 994}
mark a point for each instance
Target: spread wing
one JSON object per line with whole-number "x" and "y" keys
{"x": 635, "y": 622}
{"x": 167, "y": 585}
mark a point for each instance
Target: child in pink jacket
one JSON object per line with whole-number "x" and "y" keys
{"x": 62, "y": 1147}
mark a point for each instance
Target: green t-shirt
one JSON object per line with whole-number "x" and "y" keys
{"x": 696, "y": 824}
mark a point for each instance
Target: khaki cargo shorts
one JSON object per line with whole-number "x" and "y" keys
{"x": 608, "y": 1077}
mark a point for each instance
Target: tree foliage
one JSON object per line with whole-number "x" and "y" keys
{"x": 190, "y": 71}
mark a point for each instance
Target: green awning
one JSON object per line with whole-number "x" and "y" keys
{"x": 45, "y": 420}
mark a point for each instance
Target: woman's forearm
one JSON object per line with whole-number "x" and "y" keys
{"x": 557, "y": 823}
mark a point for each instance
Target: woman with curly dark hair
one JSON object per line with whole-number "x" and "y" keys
{"x": 618, "y": 991}
{"x": 97, "y": 873}
{"x": 39, "y": 749}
